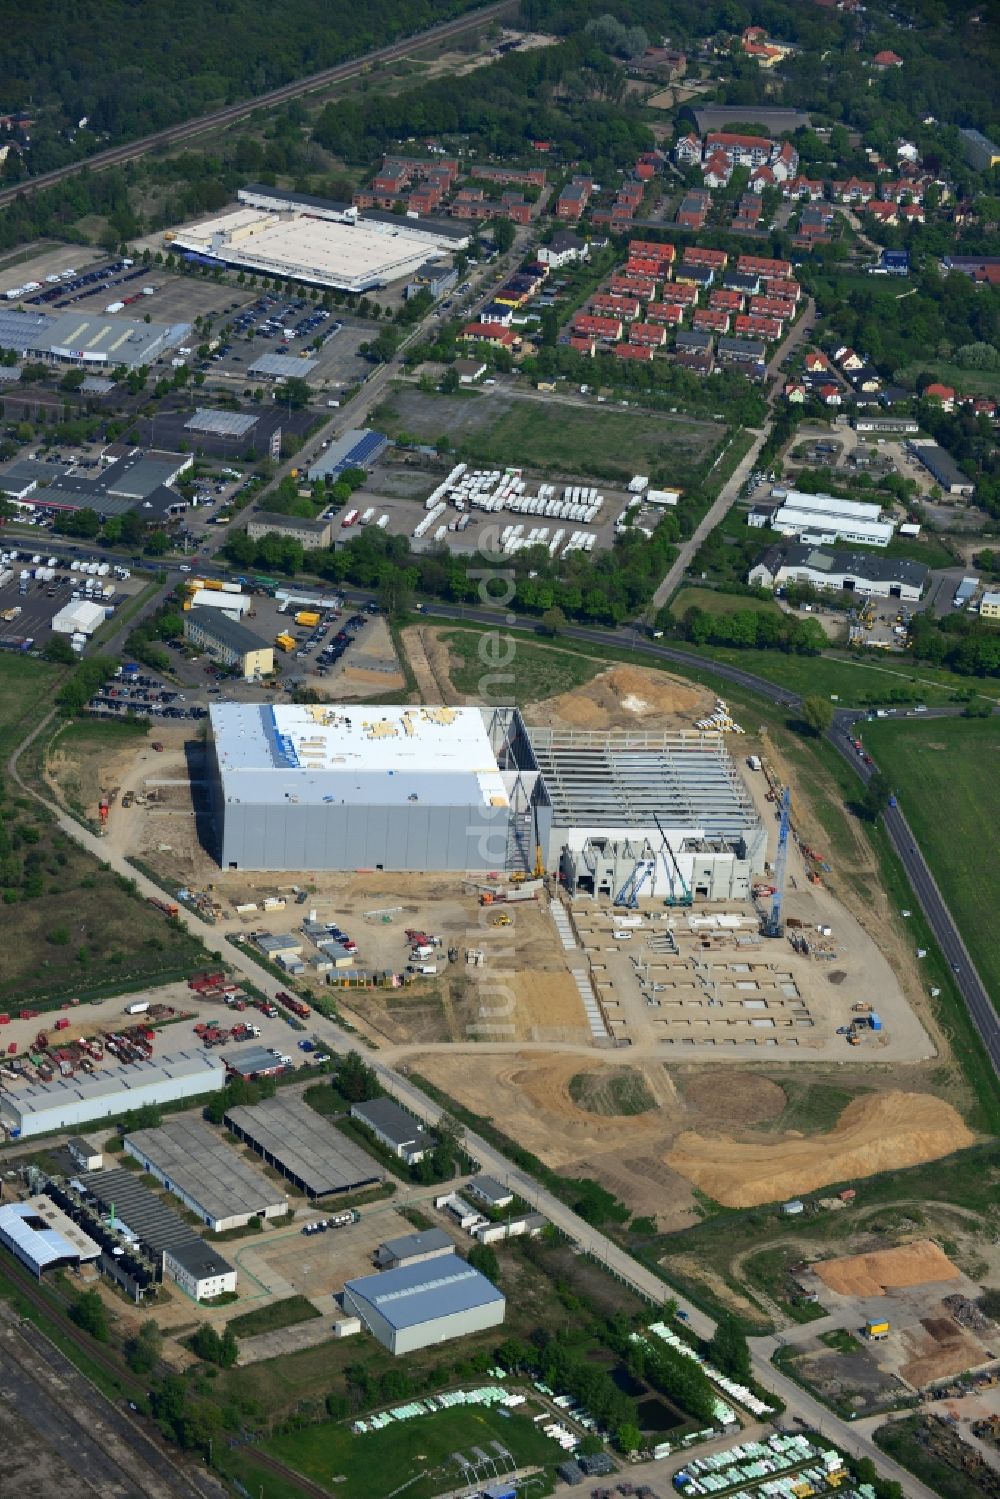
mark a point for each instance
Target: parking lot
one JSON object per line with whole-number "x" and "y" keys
{"x": 27, "y": 605}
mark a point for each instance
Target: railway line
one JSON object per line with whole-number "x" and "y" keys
{"x": 186, "y": 130}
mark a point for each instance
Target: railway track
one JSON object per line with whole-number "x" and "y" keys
{"x": 188, "y": 129}
{"x": 31, "y": 1292}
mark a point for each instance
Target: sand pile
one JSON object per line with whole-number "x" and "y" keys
{"x": 915, "y": 1264}
{"x": 624, "y": 696}
{"x": 877, "y": 1133}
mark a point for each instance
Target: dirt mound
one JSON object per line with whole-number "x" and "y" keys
{"x": 734, "y": 1098}
{"x": 619, "y": 1092}
{"x": 877, "y": 1133}
{"x": 624, "y": 696}
{"x": 913, "y": 1264}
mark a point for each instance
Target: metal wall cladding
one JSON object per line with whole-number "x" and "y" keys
{"x": 361, "y": 837}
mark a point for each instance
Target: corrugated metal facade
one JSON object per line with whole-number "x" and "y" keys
{"x": 361, "y": 837}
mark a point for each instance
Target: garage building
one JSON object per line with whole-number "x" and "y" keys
{"x": 195, "y": 1163}
{"x": 419, "y": 1305}
{"x": 313, "y": 1154}
{"x": 302, "y": 786}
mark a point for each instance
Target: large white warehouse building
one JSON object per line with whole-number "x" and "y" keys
{"x": 364, "y": 786}
{"x": 824, "y": 519}
{"x": 67, "y": 1103}
{"x": 418, "y": 1305}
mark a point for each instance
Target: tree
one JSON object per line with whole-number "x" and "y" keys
{"x": 89, "y": 1312}
{"x": 628, "y": 1438}
{"x": 553, "y": 621}
{"x": 876, "y": 796}
{"x": 503, "y": 234}
{"x": 728, "y": 1349}
{"x": 59, "y": 650}
{"x": 295, "y": 392}
{"x": 817, "y": 713}
{"x": 483, "y": 1257}
{"x": 449, "y": 381}
{"x": 142, "y": 1352}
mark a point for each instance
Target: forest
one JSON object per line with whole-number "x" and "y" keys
{"x": 558, "y": 94}
{"x": 131, "y": 67}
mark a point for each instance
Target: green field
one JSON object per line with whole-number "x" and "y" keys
{"x": 947, "y": 774}
{"x": 284, "y": 1313}
{"x": 966, "y": 382}
{"x": 535, "y": 671}
{"x": 856, "y": 680}
{"x": 26, "y": 691}
{"x": 377, "y": 1464}
{"x": 713, "y": 602}
{"x": 548, "y": 433}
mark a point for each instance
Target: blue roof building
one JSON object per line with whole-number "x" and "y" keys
{"x": 417, "y": 1305}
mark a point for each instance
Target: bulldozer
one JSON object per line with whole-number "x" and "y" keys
{"x": 502, "y": 920}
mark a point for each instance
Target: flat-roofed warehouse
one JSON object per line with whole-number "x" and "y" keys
{"x": 89, "y": 339}
{"x": 43, "y": 1237}
{"x": 674, "y": 802}
{"x": 301, "y": 786}
{"x": 66, "y": 1103}
{"x": 345, "y": 250}
{"x": 306, "y": 1148}
{"x": 208, "y": 1176}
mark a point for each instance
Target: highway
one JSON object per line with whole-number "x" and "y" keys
{"x": 188, "y": 129}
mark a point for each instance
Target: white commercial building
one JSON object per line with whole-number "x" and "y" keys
{"x": 66, "y": 1103}
{"x": 823, "y": 518}
{"x": 199, "y": 1270}
{"x": 236, "y": 604}
{"x": 348, "y": 251}
{"x": 840, "y": 572}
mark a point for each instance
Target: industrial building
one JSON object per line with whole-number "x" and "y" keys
{"x": 840, "y": 572}
{"x": 338, "y": 247}
{"x": 416, "y": 1306}
{"x": 315, "y": 1157}
{"x": 43, "y": 1237}
{"x": 889, "y": 426}
{"x": 88, "y": 339}
{"x": 141, "y": 1215}
{"x": 235, "y": 604}
{"x": 135, "y": 480}
{"x": 229, "y": 642}
{"x": 943, "y": 469}
{"x": 413, "y": 1249}
{"x": 823, "y": 519}
{"x": 312, "y": 534}
{"x": 301, "y": 786}
{"x": 191, "y": 1160}
{"x": 490, "y": 1191}
{"x": 66, "y": 1103}
{"x": 360, "y": 448}
{"x": 989, "y": 605}
{"x": 394, "y": 1128}
{"x": 282, "y": 367}
{"x": 672, "y": 803}
{"x": 979, "y": 151}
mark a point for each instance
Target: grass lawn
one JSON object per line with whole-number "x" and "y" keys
{"x": 27, "y": 689}
{"x": 536, "y": 671}
{"x": 713, "y": 602}
{"x": 624, "y": 1092}
{"x": 768, "y": 1271}
{"x": 857, "y": 680}
{"x": 966, "y": 382}
{"x": 811, "y": 1107}
{"x": 498, "y": 428}
{"x": 947, "y": 774}
{"x": 377, "y": 1464}
{"x": 285, "y": 1313}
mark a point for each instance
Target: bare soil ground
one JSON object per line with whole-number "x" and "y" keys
{"x": 735, "y": 1098}
{"x": 881, "y": 1132}
{"x": 625, "y": 697}
{"x": 873, "y": 1274}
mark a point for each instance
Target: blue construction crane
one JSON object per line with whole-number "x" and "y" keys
{"x": 628, "y": 895}
{"x": 775, "y": 924}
